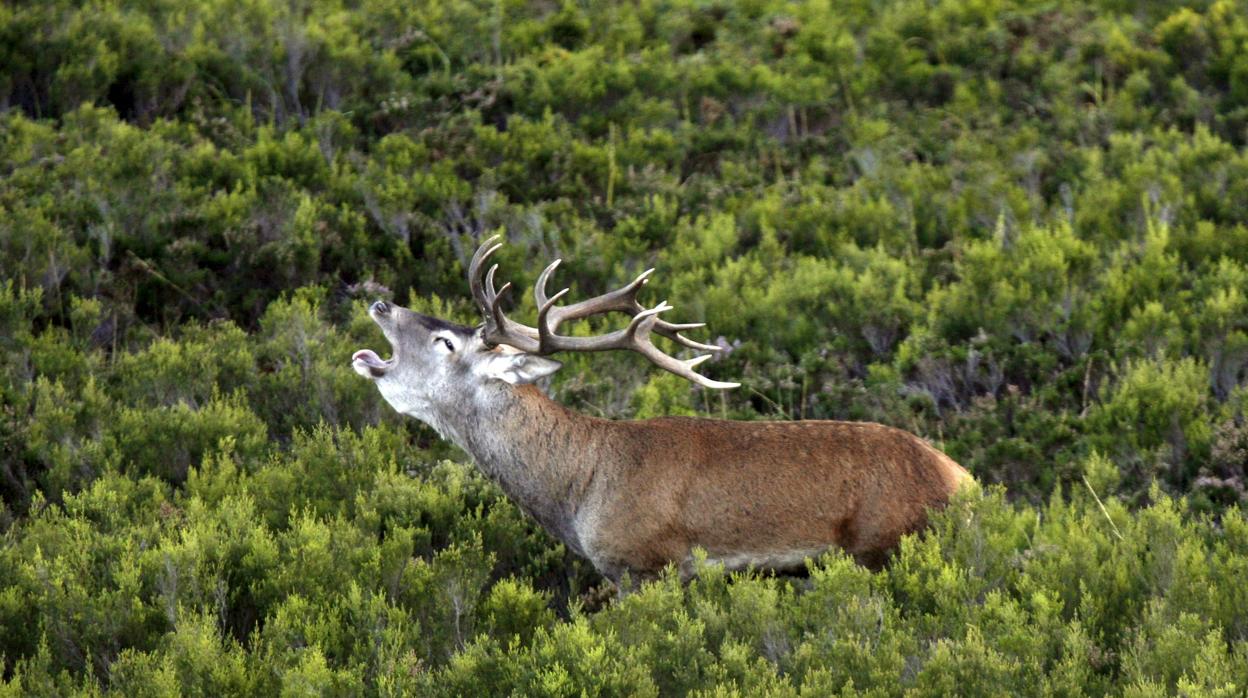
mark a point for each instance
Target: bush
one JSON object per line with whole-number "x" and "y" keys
{"x": 1015, "y": 229}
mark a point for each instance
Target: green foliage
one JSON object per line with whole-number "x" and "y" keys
{"x": 1016, "y": 229}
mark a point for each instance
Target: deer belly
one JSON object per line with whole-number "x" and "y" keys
{"x": 770, "y": 559}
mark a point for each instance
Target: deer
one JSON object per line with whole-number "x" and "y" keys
{"x": 635, "y": 496}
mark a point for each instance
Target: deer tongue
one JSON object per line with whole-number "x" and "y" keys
{"x": 369, "y": 357}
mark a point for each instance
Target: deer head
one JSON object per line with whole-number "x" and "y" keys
{"x": 434, "y": 360}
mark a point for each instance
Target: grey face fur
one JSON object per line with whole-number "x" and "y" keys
{"x": 438, "y": 368}
{"x": 445, "y": 375}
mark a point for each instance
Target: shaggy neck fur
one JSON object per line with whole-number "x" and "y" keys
{"x": 540, "y": 453}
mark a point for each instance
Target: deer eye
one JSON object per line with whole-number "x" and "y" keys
{"x": 445, "y": 342}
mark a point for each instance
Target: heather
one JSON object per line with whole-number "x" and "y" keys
{"x": 1017, "y": 229}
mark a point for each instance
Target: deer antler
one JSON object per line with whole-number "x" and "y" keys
{"x": 499, "y": 329}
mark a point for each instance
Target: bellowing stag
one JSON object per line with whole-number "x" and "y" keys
{"x": 634, "y": 496}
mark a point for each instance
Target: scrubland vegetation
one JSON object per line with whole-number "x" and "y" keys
{"x": 1018, "y": 229}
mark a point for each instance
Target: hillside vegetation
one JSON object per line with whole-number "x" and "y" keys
{"x": 1018, "y": 229}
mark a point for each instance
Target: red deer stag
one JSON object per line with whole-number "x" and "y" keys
{"x": 634, "y": 496}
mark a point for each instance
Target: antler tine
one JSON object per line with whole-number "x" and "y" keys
{"x": 643, "y": 322}
{"x": 498, "y": 329}
{"x": 623, "y": 299}
{"x": 539, "y": 288}
{"x": 544, "y": 329}
{"x": 495, "y": 311}
{"x": 679, "y": 326}
{"x": 696, "y": 360}
{"x": 684, "y": 369}
{"x": 489, "y": 281}
{"x": 672, "y": 332}
{"x": 639, "y": 331}
{"x": 479, "y": 294}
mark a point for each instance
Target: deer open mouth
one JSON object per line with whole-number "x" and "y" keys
{"x": 367, "y": 363}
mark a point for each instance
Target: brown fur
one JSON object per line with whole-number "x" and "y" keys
{"x": 660, "y": 487}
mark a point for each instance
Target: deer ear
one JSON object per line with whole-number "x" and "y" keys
{"x": 519, "y": 368}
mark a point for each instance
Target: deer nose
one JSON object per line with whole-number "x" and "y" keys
{"x": 380, "y": 308}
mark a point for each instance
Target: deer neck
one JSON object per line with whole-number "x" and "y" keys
{"x": 538, "y": 451}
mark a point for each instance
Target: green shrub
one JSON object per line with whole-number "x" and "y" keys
{"x": 1015, "y": 229}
